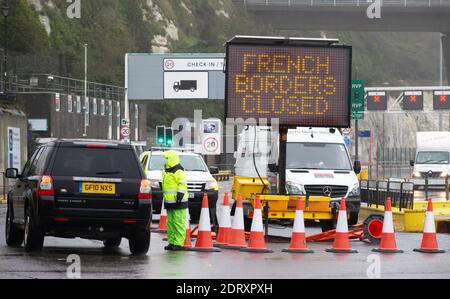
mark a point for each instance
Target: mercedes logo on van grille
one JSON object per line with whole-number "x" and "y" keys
{"x": 327, "y": 191}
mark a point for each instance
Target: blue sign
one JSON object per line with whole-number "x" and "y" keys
{"x": 364, "y": 134}
{"x": 347, "y": 141}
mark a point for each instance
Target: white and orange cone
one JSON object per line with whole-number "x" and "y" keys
{"x": 257, "y": 244}
{"x": 298, "y": 240}
{"x": 342, "y": 242}
{"x": 237, "y": 236}
{"x": 204, "y": 238}
{"x": 429, "y": 241}
{"x": 224, "y": 234}
{"x": 162, "y": 227}
{"x": 388, "y": 243}
{"x": 188, "y": 241}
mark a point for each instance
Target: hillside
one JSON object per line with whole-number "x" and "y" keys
{"x": 44, "y": 39}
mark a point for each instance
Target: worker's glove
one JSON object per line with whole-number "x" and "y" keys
{"x": 180, "y": 197}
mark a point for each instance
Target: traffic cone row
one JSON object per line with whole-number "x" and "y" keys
{"x": 234, "y": 237}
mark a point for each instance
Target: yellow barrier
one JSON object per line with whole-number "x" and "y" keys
{"x": 223, "y": 175}
{"x": 409, "y": 220}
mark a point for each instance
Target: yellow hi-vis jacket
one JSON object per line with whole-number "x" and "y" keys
{"x": 174, "y": 183}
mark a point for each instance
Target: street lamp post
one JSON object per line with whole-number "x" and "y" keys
{"x": 5, "y": 11}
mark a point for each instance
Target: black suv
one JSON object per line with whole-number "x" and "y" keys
{"x": 77, "y": 188}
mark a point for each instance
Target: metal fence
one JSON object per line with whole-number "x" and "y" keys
{"x": 392, "y": 162}
{"x": 375, "y": 193}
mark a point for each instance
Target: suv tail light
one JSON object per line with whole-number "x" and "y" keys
{"x": 145, "y": 191}
{"x": 46, "y": 186}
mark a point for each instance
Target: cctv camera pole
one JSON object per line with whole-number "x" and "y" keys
{"x": 126, "y": 102}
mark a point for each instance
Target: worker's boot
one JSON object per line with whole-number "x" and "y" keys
{"x": 169, "y": 247}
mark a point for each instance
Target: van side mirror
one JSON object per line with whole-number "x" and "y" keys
{"x": 214, "y": 170}
{"x": 412, "y": 163}
{"x": 357, "y": 167}
{"x": 12, "y": 173}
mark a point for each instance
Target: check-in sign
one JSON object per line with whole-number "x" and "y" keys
{"x": 195, "y": 64}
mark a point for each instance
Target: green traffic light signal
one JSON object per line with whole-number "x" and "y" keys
{"x": 169, "y": 137}
{"x": 160, "y": 135}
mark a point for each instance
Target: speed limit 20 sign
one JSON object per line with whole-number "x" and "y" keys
{"x": 211, "y": 137}
{"x": 125, "y": 132}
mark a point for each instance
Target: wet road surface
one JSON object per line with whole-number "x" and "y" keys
{"x": 98, "y": 263}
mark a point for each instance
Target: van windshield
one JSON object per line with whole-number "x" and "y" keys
{"x": 189, "y": 163}
{"x": 432, "y": 158}
{"x": 329, "y": 156}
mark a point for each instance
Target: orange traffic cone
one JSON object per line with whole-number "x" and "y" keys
{"x": 237, "y": 236}
{"x": 257, "y": 243}
{"x": 204, "y": 238}
{"x": 388, "y": 243}
{"x": 298, "y": 240}
{"x": 225, "y": 224}
{"x": 429, "y": 242}
{"x": 162, "y": 227}
{"x": 188, "y": 241}
{"x": 342, "y": 242}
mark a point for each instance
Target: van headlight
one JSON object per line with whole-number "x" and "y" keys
{"x": 356, "y": 191}
{"x": 296, "y": 189}
{"x": 212, "y": 185}
{"x": 417, "y": 174}
{"x": 444, "y": 174}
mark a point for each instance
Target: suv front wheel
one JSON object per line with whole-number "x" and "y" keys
{"x": 33, "y": 237}
{"x": 14, "y": 236}
{"x": 139, "y": 242}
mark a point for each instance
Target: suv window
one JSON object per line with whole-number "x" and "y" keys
{"x": 32, "y": 171}
{"x": 26, "y": 168}
{"x": 43, "y": 160}
{"x": 96, "y": 162}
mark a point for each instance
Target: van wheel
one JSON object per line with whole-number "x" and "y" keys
{"x": 33, "y": 237}
{"x": 192, "y": 89}
{"x": 112, "y": 243}
{"x": 176, "y": 89}
{"x": 139, "y": 242}
{"x": 327, "y": 225}
{"x": 14, "y": 236}
{"x": 247, "y": 223}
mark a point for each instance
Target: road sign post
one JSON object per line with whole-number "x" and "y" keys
{"x": 358, "y": 94}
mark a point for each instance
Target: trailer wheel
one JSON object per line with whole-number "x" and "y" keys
{"x": 373, "y": 228}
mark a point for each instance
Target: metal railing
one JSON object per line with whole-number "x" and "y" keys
{"x": 375, "y": 193}
{"x": 33, "y": 83}
{"x": 350, "y": 3}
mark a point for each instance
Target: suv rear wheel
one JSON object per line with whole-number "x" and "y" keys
{"x": 33, "y": 237}
{"x": 14, "y": 236}
{"x": 139, "y": 242}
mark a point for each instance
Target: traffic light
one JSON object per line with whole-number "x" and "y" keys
{"x": 441, "y": 100}
{"x": 169, "y": 137}
{"x": 377, "y": 101}
{"x": 161, "y": 135}
{"x": 413, "y": 100}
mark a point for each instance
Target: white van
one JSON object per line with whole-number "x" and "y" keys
{"x": 433, "y": 155}
{"x": 199, "y": 180}
{"x": 317, "y": 163}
